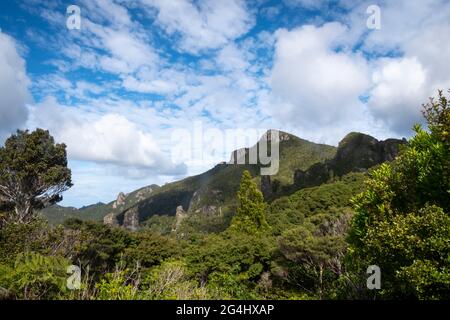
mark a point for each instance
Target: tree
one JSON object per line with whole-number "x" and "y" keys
{"x": 33, "y": 173}
{"x": 402, "y": 222}
{"x": 250, "y": 215}
{"x": 318, "y": 245}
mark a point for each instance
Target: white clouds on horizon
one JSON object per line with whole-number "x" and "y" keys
{"x": 109, "y": 138}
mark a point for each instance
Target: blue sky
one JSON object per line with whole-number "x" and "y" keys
{"x": 116, "y": 90}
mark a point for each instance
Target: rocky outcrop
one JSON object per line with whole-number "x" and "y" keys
{"x": 209, "y": 210}
{"x": 241, "y": 156}
{"x": 180, "y": 215}
{"x": 356, "y": 152}
{"x": 111, "y": 220}
{"x": 145, "y": 192}
{"x": 206, "y": 202}
{"x": 131, "y": 219}
{"x": 120, "y": 201}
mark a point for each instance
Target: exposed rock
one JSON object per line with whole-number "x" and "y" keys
{"x": 131, "y": 219}
{"x": 120, "y": 201}
{"x": 269, "y": 187}
{"x": 200, "y": 194}
{"x": 111, "y": 220}
{"x": 145, "y": 192}
{"x": 206, "y": 202}
{"x": 241, "y": 156}
{"x": 180, "y": 215}
{"x": 209, "y": 210}
{"x": 356, "y": 152}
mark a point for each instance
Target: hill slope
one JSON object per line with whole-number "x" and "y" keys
{"x": 207, "y": 201}
{"x": 211, "y": 193}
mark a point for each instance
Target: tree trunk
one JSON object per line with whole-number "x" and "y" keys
{"x": 320, "y": 280}
{"x": 23, "y": 211}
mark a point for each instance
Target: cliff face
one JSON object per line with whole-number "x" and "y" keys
{"x": 131, "y": 219}
{"x": 180, "y": 215}
{"x": 120, "y": 213}
{"x": 111, "y": 220}
{"x": 356, "y": 152}
{"x": 120, "y": 201}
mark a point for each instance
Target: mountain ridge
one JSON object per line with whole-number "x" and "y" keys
{"x": 211, "y": 195}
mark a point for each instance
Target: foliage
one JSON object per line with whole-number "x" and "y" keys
{"x": 250, "y": 213}
{"x": 149, "y": 249}
{"x": 289, "y": 212}
{"x": 241, "y": 256}
{"x": 34, "y": 276}
{"x": 319, "y": 246}
{"x": 402, "y": 222}
{"x": 118, "y": 285}
{"x": 36, "y": 236}
{"x": 171, "y": 281}
{"x": 162, "y": 225}
{"x": 98, "y": 247}
{"x": 297, "y": 247}
{"x": 33, "y": 173}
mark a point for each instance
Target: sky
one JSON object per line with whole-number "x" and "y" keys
{"x": 139, "y": 79}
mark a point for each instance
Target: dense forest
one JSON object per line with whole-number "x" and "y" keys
{"x": 298, "y": 242}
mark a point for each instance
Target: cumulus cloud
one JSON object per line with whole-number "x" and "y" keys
{"x": 105, "y": 138}
{"x": 399, "y": 86}
{"x": 13, "y": 87}
{"x": 317, "y": 84}
{"x": 322, "y": 75}
{"x": 419, "y": 32}
{"x": 209, "y": 24}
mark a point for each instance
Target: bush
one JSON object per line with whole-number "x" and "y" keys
{"x": 35, "y": 276}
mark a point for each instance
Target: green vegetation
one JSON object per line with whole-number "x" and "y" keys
{"x": 230, "y": 242}
{"x": 402, "y": 222}
{"x": 288, "y": 212}
{"x": 214, "y": 190}
{"x": 249, "y": 216}
{"x": 33, "y": 174}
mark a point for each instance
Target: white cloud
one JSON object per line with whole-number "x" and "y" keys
{"x": 124, "y": 47}
{"x": 231, "y": 58}
{"x": 317, "y": 76}
{"x": 208, "y": 24}
{"x": 399, "y": 87}
{"x": 107, "y": 11}
{"x": 103, "y": 138}
{"x": 152, "y": 86}
{"x": 419, "y": 32}
{"x": 316, "y": 84}
{"x": 13, "y": 87}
